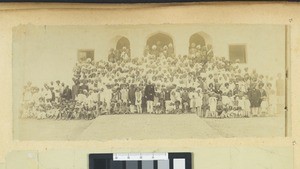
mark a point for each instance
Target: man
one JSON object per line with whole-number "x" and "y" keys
{"x": 75, "y": 89}
{"x": 149, "y": 95}
{"x": 254, "y": 96}
{"x": 236, "y": 90}
{"x": 154, "y": 52}
{"x": 57, "y": 89}
{"x": 210, "y": 52}
{"x": 84, "y": 86}
{"x": 67, "y": 93}
{"x": 185, "y": 100}
{"x": 192, "y": 49}
{"x": 263, "y": 97}
{"x": 48, "y": 93}
{"x": 107, "y": 97}
{"x": 111, "y": 56}
{"x": 61, "y": 89}
{"x": 124, "y": 93}
{"x": 132, "y": 98}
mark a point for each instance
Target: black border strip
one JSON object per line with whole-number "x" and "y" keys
{"x": 155, "y": 166}
{"x": 139, "y": 164}
{"x": 186, "y": 156}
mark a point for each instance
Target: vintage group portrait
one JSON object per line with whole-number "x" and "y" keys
{"x": 149, "y": 86}
{"x": 149, "y": 81}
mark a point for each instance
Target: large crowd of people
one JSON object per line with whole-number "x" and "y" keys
{"x": 160, "y": 82}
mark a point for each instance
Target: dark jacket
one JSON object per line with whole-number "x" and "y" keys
{"x": 131, "y": 95}
{"x": 254, "y": 97}
{"x": 149, "y": 92}
{"x": 75, "y": 91}
{"x": 67, "y": 94}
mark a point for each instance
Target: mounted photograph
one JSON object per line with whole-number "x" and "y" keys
{"x": 156, "y": 81}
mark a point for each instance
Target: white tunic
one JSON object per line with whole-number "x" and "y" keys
{"x": 212, "y": 104}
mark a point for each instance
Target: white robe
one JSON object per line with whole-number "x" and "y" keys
{"x": 199, "y": 99}
{"x": 241, "y": 103}
{"x": 212, "y": 104}
{"x": 247, "y": 105}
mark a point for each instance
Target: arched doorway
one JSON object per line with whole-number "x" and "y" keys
{"x": 200, "y": 48}
{"x": 196, "y": 39}
{"x": 121, "y": 51}
{"x": 159, "y": 44}
{"x": 123, "y": 42}
{"x": 161, "y": 38}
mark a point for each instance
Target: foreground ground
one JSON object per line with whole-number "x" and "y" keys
{"x": 149, "y": 127}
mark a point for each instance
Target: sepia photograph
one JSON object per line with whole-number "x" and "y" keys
{"x": 164, "y": 81}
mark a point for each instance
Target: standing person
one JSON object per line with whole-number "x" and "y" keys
{"x": 220, "y": 107}
{"x": 236, "y": 90}
{"x": 193, "y": 102}
{"x": 205, "y": 104}
{"x": 138, "y": 100}
{"x": 241, "y": 105}
{"x": 111, "y": 56}
{"x": 167, "y": 98}
{"x": 254, "y": 96}
{"x": 48, "y": 93}
{"x": 149, "y": 95}
{"x": 84, "y": 86}
{"x": 61, "y": 89}
{"x": 57, "y": 89}
{"x": 124, "y": 94}
{"x": 199, "y": 98}
{"x": 212, "y": 101}
{"x": 75, "y": 89}
{"x": 132, "y": 98}
{"x": 185, "y": 100}
{"x": 162, "y": 101}
{"x": 247, "y": 106}
{"x": 67, "y": 93}
{"x": 263, "y": 100}
{"x": 107, "y": 97}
